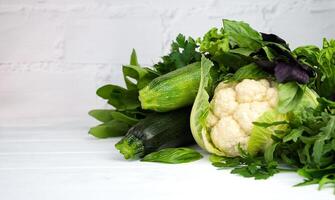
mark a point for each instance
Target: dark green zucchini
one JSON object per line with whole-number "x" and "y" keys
{"x": 155, "y": 132}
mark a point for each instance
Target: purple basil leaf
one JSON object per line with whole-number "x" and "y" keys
{"x": 266, "y": 65}
{"x": 285, "y": 72}
{"x": 274, "y": 38}
{"x": 332, "y": 97}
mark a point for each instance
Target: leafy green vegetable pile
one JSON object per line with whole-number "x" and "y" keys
{"x": 245, "y": 97}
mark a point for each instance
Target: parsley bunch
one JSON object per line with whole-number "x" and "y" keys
{"x": 183, "y": 52}
{"x": 308, "y": 147}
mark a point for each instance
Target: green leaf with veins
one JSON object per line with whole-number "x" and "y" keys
{"x": 307, "y": 54}
{"x": 142, "y": 76}
{"x": 243, "y": 35}
{"x": 120, "y": 98}
{"x": 290, "y": 95}
{"x": 173, "y": 155}
{"x": 113, "y": 128}
{"x": 214, "y": 42}
{"x": 251, "y": 71}
{"x": 270, "y": 53}
{"x": 127, "y": 110}
{"x": 102, "y": 115}
{"x": 106, "y": 115}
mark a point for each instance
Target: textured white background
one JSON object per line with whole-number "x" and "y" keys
{"x": 55, "y": 53}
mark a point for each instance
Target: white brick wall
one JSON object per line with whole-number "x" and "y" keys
{"x": 55, "y": 53}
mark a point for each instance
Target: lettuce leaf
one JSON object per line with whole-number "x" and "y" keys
{"x": 263, "y": 129}
{"x": 200, "y": 110}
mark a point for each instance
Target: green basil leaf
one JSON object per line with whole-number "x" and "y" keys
{"x": 309, "y": 54}
{"x": 242, "y": 51}
{"x": 231, "y": 60}
{"x": 270, "y": 53}
{"x": 243, "y": 35}
{"x": 173, "y": 156}
{"x": 251, "y": 71}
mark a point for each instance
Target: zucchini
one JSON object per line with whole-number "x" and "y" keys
{"x": 155, "y": 132}
{"x": 173, "y": 90}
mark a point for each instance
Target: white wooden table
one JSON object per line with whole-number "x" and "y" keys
{"x": 45, "y": 164}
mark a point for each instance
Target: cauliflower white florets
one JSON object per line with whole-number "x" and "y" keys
{"x": 234, "y": 108}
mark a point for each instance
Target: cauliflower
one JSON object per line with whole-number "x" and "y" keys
{"x": 223, "y": 124}
{"x": 234, "y": 108}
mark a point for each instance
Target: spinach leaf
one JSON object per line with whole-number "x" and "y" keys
{"x": 120, "y": 98}
{"x": 106, "y": 115}
{"x": 111, "y": 128}
{"x": 102, "y": 115}
{"x": 134, "y": 71}
{"x": 127, "y": 108}
{"x": 141, "y": 75}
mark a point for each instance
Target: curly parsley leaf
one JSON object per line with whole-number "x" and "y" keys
{"x": 247, "y": 165}
{"x": 183, "y": 52}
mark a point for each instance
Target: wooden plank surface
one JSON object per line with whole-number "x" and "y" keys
{"x": 69, "y": 164}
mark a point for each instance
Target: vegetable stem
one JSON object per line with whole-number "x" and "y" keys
{"x": 130, "y": 146}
